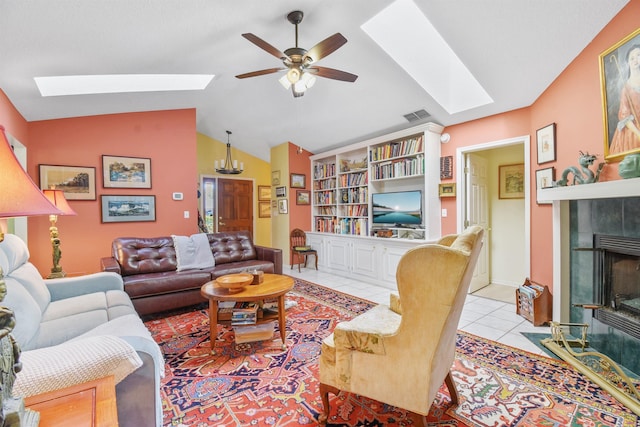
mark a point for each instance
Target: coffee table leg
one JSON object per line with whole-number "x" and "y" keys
{"x": 213, "y": 324}
{"x": 282, "y": 321}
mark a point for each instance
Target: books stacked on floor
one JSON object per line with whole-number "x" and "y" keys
{"x": 246, "y": 314}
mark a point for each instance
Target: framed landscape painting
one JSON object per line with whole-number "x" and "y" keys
{"x": 126, "y": 172}
{"x": 77, "y": 182}
{"x": 128, "y": 208}
{"x": 511, "y": 183}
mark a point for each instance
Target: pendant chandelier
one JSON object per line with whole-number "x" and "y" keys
{"x": 228, "y": 166}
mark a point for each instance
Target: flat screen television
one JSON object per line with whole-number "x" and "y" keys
{"x": 400, "y": 208}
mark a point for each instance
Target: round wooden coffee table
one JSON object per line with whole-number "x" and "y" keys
{"x": 273, "y": 286}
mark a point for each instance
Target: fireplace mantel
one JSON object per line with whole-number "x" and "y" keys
{"x": 560, "y": 198}
{"x": 598, "y": 190}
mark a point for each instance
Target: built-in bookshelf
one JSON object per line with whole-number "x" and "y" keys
{"x": 345, "y": 179}
{"x": 324, "y": 196}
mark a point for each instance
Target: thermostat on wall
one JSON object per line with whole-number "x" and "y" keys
{"x": 177, "y": 196}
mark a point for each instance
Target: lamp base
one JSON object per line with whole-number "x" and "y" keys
{"x": 56, "y": 275}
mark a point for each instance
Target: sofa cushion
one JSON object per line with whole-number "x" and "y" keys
{"x": 141, "y": 285}
{"x": 232, "y": 246}
{"x": 76, "y": 362}
{"x": 67, "y": 319}
{"x": 239, "y": 267}
{"x": 138, "y": 255}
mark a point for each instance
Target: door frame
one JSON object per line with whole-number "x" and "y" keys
{"x": 216, "y": 177}
{"x": 525, "y": 140}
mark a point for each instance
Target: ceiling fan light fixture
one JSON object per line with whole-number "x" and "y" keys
{"x": 284, "y": 81}
{"x": 308, "y": 79}
{"x": 293, "y": 75}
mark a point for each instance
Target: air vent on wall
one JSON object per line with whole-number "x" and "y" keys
{"x": 416, "y": 115}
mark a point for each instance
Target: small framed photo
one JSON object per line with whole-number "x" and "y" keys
{"x": 281, "y": 191}
{"x": 264, "y": 209}
{"x": 283, "y": 207}
{"x": 298, "y": 180}
{"x": 447, "y": 190}
{"x": 303, "y": 197}
{"x": 546, "y": 142}
{"x": 128, "y": 208}
{"x": 126, "y": 172}
{"x": 511, "y": 181}
{"x": 275, "y": 177}
{"x": 264, "y": 192}
{"x": 544, "y": 179}
{"x": 274, "y": 203}
{"x": 77, "y": 182}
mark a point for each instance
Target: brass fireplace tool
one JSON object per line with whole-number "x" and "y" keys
{"x": 596, "y": 366}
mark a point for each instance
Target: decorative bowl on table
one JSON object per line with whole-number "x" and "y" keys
{"x": 235, "y": 282}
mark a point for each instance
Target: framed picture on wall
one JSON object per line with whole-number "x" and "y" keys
{"x": 447, "y": 190}
{"x": 126, "y": 172}
{"x": 264, "y": 192}
{"x": 511, "y": 181}
{"x": 264, "y": 209}
{"x": 303, "y": 197}
{"x": 620, "y": 97}
{"x": 544, "y": 179}
{"x": 77, "y": 182}
{"x": 128, "y": 208}
{"x": 275, "y": 178}
{"x": 281, "y": 191}
{"x": 283, "y": 206}
{"x": 546, "y": 142}
{"x": 298, "y": 180}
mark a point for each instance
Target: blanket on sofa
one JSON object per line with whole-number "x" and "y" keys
{"x": 193, "y": 252}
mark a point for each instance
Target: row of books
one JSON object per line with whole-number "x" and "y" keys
{"x": 324, "y": 184}
{"x": 239, "y": 313}
{"x": 353, "y": 179}
{"x": 354, "y": 210}
{"x": 324, "y": 170}
{"x": 398, "y": 168}
{"x": 354, "y": 226}
{"x": 325, "y": 225}
{"x": 354, "y": 195}
{"x": 405, "y": 147}
{"x": 326, "y": 210}
{"x": 324, "y": 198}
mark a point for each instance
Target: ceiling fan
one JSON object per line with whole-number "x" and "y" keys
{"x": 299, "y": 62}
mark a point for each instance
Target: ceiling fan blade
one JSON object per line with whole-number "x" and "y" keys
{"x": 265, "y": 46}
{"x": 260, "y": 72}
{"x": 326, "y": 47}
{"x": 331, "y": 73}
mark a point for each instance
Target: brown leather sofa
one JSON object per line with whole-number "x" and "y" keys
{"x": 148, "y": 267}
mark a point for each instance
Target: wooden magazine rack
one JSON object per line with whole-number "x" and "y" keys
{"x": 534, "y": 302}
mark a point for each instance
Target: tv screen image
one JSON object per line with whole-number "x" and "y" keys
{"x": 399, "y": 208}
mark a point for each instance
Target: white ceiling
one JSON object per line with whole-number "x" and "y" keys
{"x": 514, "y": 48}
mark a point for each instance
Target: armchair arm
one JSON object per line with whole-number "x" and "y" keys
{"x": 394, "y": 303}
{"x": 68, "y": 287}
{"x": 110, "y": 264}
{"x": 271, "y": 254}
{"x": 76, "y": 362}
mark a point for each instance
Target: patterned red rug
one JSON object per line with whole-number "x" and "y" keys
{"x": 259, "y": 384}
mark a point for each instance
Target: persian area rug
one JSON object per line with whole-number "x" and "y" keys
{"x": 259, "y": 384}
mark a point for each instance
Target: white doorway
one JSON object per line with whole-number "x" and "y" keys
{"x": 506, "y": 258}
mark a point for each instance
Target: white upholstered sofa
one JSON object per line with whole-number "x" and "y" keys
{"x": 73, "y": 330}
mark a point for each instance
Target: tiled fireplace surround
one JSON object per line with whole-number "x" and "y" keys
{"x": 579, "y": 212}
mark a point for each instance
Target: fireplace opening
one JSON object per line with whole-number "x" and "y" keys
{"x": 618, "y": 282}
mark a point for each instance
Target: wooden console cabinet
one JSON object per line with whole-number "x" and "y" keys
{"x": 92, "y": 404}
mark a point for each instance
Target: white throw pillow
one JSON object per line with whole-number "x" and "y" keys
{"x": 193, "y": 252}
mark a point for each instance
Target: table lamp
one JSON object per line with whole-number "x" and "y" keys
{"x": 57, "y": 199}
{"x": 19, "y": 196}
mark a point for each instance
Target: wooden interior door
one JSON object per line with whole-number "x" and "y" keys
{"x": 235, "y": 205}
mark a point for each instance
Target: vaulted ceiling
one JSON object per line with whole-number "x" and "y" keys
{"x": 513, "y": 48}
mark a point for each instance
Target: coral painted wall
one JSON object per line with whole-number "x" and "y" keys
{"x": 168, "y": 138}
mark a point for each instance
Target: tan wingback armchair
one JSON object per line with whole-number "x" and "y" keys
{"x": 400, "y": 354}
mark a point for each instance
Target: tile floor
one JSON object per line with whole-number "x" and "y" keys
{"x": 494, "y": 319}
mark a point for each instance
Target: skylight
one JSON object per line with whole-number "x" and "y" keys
{"x": 418, "y": 48}
{"x": 119, "y": 83}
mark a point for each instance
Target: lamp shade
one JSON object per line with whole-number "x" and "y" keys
{"x": 19, "y": 195}
{"x": 56, "y": 197}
